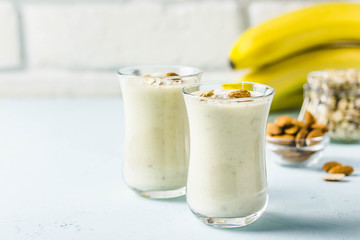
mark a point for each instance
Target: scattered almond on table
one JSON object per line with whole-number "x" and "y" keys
{"x": 327, "y": 166}
{"x": 334, "y": 177}
{"x": 336, "y": 170}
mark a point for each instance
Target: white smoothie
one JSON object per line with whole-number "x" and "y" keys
{"x": 227, "y": 174}
{"x": 156, "y": 135}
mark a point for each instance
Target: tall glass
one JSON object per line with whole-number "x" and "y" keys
{"x": 156, "y": 149}
{"x": 227, "y": 184}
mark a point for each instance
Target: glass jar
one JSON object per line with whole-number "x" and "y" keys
{"x": 333, "y": 97}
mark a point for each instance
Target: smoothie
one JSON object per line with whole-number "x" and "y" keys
{"x": 156, "y": 149}
{"x": 227, "y": 173}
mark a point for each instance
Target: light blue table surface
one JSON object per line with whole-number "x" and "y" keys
{"x": 60, "y": 178}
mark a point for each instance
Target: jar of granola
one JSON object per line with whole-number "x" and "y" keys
{"x": 333, "y": 97}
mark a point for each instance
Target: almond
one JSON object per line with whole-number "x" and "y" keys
{"x": 323, "y": 127}
{"x": 313, "y": 134}
{"x": 347, "y": 170}
{"x": 273, "y": 129}
{"x": 327, "y": 166}
{"x": 300, "y": 137}
{"x": 283, "y": 121}
{"x": 285, "y": 139}
{"x": 309, "y": 118}
{"x": 241, "y": 93}
{"x": 207, "y": 94}
{"x": 298, "y": 123}
{"x": 292, "y": 130}
{"x": 334, "y": 177}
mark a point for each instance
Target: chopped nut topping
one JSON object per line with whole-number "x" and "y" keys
{"x": 156, "y": 82}
{"x": 171, "y": 74}
{"x": 207, "y": 94}
{"x": 174, "y": 77}
{"x": 158, "y": 79}
{"x": 241, "y": 93}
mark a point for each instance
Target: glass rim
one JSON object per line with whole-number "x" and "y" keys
{"x": 324, "y": 73}
{"x": 270, "y": 94}
{"x": 120, "y": 71}
{"x": 308, "y": 87}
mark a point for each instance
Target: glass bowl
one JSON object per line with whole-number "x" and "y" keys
{"x": 296, "y": 153}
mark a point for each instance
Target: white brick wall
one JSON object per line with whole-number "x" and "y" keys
{"x": 64, "y": 83}
{"x": 111, "y": 34}
{"x": 58, "y": 83}
{"x": 260, "y": 12}
{"x": 72, "y": 47}
{"x": 9, "y": 37}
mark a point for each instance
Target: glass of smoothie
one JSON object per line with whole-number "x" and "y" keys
{"x": 227, "y": 185}
{"x": 156, "y": 147}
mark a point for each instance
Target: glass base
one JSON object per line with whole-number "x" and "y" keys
{"x": 233, "y": 222}
{"x": 162, "y": 194}
{"x": 310, "y": 159}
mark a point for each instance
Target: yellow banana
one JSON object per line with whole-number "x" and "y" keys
{"x": 288, "y": 77}
{"x": 293, "y": 100}
{"x": 296, "y": 32}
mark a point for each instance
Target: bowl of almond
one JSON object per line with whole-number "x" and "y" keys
{"x": 291, "y": 142}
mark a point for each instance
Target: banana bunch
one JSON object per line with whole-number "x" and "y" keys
{"x": 282, "y": 51}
